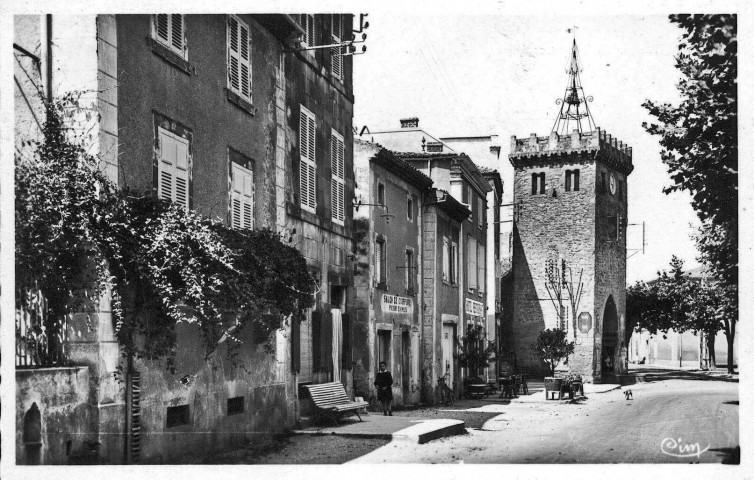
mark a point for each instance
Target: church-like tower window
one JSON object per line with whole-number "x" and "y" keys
{"x": 538, "y": 183}
{"x": 572, "y": 180}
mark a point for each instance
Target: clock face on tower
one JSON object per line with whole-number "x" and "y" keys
{"x": 612, "y": 184}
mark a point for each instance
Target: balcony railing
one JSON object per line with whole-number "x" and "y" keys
{"x": 40, "y": 339}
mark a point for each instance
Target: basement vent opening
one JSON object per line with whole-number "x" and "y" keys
{"x": 235, "y": 405}
{"x": 178, "y": 416}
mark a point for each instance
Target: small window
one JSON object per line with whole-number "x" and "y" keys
{"x": 381, "y": 194}
{"x": 538, "y": 183}
{"x": 239, "y": 57}
{"x": 410, "y": 271}
{"x": 410, "y": 209}
{"x": 380, "y": 260}
{"x": 235, "y": 405}
{"x": 620, "y": 189}
{"x": 572, "y": 180}
{"x": 177, "y": 416}
{"x": 306, "y": 22}
{"x": 603, "y": 182}
{"x": 169, "y": 31}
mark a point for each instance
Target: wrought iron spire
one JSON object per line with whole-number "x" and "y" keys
{"x": 574, "y": 108}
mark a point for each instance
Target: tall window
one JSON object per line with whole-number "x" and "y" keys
{"x": 471, "y": 255}
{"x": 572, "y": 180}
{"x": 173, "y": 168}
{"x": 335, "y": 53}
{"x": 239, "y": 59}
{"x": 538, "y": 183}
{"x": 482, "y": 267}
{"x": 380, "y": 261}
{"x": 241, "y": 197}
{"x": 603, "y": 182}
{"x": 410, "y": 273}
{"x": 446, "y": 262}
{"x": 169, "y": 30}
{"x": 410, "y": 208}
{"x": 454, "y": 263}
{"x": 480, "y": 209}
{"x": 381, "y": 193}
{"x": 308, "y": 164}
{"x": 306, "y": 22}
{"x": 338, "y": 182}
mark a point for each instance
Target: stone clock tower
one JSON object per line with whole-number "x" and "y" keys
{"x": 569, "y": 239}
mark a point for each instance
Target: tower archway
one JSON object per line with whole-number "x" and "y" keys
{"x": 610, "y": 326}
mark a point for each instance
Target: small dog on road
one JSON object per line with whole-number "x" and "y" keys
{"x": 629, "y": 394}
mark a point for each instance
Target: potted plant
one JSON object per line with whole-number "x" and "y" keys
{"x": 552, "y": 347}
{"x": 475, "y": 354}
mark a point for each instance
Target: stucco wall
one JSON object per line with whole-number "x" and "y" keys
{"x": 61, "y": 396}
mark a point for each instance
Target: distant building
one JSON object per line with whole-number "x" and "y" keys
{"x": 570, "y": 195}
{"x": 388, "y": 227}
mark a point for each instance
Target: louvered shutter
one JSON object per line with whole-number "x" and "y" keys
{"x": 169, "y": 31}
{"x": 239, "y": 57}
{"x": 471, "y": 272}
{"x": 309, "y": 27}
{"x": 308, "y": 173}
{"x": 482, "y": 266}
{"x": 173, "y": 170}
{"x": 336, "y": 59}
{"x": 242, "y": 197}
{"x": 338, "y": 185}
{"x": 446, "y": 253}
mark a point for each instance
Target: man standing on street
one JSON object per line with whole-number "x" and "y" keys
{"x": 384, "y": 383}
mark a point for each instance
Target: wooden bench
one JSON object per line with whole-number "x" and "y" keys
{"x": 330, "y": 400}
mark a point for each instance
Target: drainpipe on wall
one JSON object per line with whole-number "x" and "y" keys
{"x": 48, "y": 72}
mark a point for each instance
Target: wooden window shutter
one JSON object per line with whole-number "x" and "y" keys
{"x": 326, "y": 339}
{"x": 471, "y": 271}
{"x": 316, "y": 340}
{"x": 239, "y": 57}
{"x": 308, "y": 170}
{"x": 242, "y": 197}
{"x": 482, "y": 265}
{"x": 173, "y": 170}
{"x": 446, "y": 274}
{"x": 336, "y": 66}
{"x": 169, "y": 31}
{"x": 338, "y": 183}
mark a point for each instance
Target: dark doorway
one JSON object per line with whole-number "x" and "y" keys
{"x": 405, "y": 364}
{"x": 609, "y": 337}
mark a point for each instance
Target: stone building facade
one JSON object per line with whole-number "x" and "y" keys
{"x": 388, "y": 225}
{"x": 215, "y": 104}
{"x": 570, "y": 193}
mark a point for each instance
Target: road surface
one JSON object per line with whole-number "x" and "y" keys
{"x": 672, "y": 419}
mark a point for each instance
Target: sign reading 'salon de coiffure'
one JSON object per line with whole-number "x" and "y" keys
{"x": 474, "y": 308}
{"x": 396, "y": 304}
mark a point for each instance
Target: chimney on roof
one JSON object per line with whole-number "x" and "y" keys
{"x": 412, "y": 122}
{"x": 495, "y": 150}
{"x": 435, "y": 147}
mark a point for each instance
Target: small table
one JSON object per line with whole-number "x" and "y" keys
{"x": 476, "y": 389}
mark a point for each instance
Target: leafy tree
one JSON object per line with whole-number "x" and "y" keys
{"x": 699, "y": 139}
{"x": 553, "y": 347}
{"x": 676, "y": 301}
{"x": 78, "y": 236}
{"x": 476, "y": 352}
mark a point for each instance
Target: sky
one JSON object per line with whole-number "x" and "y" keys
{"x": 494, "y": 74}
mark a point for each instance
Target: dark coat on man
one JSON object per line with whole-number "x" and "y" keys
{"x": 384, "y": 383}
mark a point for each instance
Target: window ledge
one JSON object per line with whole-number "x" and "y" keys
{"x": 171, "y": 57}
{"x": 241, "y": 103}
{"x": 381, "y": 286}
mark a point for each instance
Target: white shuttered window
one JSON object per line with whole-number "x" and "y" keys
{"x": 338, "y": 183}
{"x": 471, "y": 272}
{"x": 308, "y": 164}
{"x": 242, "y": 197}
{"x": 173, "y": 170}
{"x": 337, "y": 33}
{"x": 239, "y": 57}
{"x": 169, "y": 31}
{"x": 482, "y": 266}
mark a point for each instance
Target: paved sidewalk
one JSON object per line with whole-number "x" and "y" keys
{"x": 416, "y": 430}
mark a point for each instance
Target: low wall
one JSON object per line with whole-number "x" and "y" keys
{"x": 54, "y": 420}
